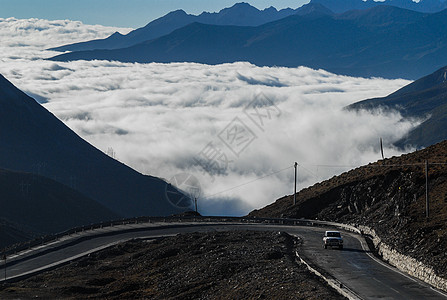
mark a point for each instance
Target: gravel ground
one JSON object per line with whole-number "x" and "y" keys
{"x": 219, "y": 265}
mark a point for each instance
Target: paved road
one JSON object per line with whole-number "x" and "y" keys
{"x": 353, "y": 266}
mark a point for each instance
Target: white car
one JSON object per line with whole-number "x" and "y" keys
{"x": 332, "y": 239}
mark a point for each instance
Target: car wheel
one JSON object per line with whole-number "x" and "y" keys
{"x": 341, "y": 247}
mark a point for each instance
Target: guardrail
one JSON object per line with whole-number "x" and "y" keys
{"x": 16, "y": 249}
{"x": 140, "y": 220}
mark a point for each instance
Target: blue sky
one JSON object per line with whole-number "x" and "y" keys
{"x": 122, "y": 13}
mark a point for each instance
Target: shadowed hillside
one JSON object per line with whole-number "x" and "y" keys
{"x": 35, "y": 141}
{"x": 424, "y": 99}
{"x": 32, "y": 205}
{"x": 13, "y": 233}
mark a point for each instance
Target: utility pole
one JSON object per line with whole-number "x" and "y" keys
{"x": 427, "y": 199}
{"x": 195, "y": 202}
{"x": 294, "y": 194}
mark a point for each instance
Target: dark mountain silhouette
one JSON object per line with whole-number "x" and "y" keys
{"x": 34, "y": 205}
{"x": 12, "y": 234}
{"x": 423, "y": 99}
{"x": 241, "y": 14}
{"x": 340, "y": 6}
{"x": 33, "y": 140}
{"x": 383, "y": 41}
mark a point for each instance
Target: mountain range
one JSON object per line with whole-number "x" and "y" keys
{"x": 383, "y": 41}
{"x": 33, "y": 140}
{"x": 424, "y": 99}
{"x": 240, "y": 14}
{"x": 426, "y": 6}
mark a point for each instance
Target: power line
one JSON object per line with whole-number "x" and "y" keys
{"x": 378, "y": 165}
{"x": 307, "y": 170}
{"x": 246, "y": 183}
{"x": 321, "y": 166}
{"x": 330, "y": 166}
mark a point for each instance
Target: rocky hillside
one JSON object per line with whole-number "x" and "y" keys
{"x": 388, "y": 196}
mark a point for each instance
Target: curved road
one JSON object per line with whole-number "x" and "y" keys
{"x": 354, "y": 267}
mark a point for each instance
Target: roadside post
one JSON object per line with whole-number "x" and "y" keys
{"x": 4, "y": 258}
{"x": 427, "y": 199}
{"x": 294, "y": 194}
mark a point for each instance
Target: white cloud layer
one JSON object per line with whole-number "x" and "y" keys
{"x": 158, "y": 118}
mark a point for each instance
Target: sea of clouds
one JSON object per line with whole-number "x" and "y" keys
{"x": 228, "y": 125}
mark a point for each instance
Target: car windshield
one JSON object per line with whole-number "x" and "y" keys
{"x": 333, "y": 234}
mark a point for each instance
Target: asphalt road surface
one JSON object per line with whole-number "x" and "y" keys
{"x": 353, "y": 266}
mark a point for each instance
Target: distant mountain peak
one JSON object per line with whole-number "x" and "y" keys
{"x": 271, "y": 9}
{"x": 115, "y": 35}
{"x": 242, "y": 4}
{"x": 313, "y": 9}
{"x": 239, "y": 7}
{"x": 177, "y": 12}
